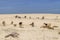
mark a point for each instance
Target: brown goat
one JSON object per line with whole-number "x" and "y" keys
{"x": 32, "y": 24}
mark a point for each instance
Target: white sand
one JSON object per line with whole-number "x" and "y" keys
{"x": 29, "y": 32}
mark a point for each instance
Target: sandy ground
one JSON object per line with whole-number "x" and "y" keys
{"x": 28, "y": 32}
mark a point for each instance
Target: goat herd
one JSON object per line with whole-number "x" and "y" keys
{"x": 46, "y": 25}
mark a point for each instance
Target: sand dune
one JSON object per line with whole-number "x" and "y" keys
{"x": 9, "y": 23}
